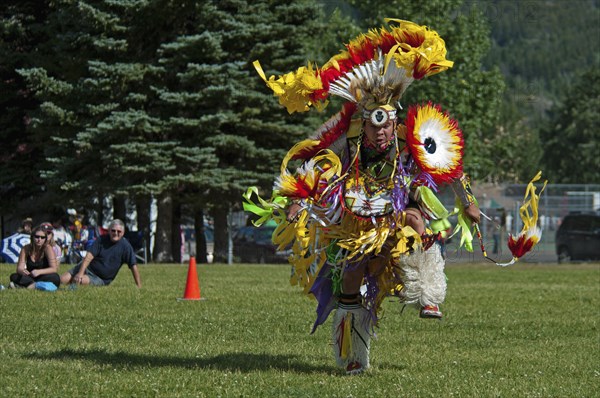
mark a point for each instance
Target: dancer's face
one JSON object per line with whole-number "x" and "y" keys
{"x": 380, "y": 136}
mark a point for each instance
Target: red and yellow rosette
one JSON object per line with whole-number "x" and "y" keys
{"x": 435, "y": 142}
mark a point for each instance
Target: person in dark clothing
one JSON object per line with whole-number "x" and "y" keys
{"x": 37, "y": 262}
{"x": 104, "y": 260}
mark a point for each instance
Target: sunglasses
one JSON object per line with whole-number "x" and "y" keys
{"x": 116, "y": 231}
{"x": 39, "y": 237}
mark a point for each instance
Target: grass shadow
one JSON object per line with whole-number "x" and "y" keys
{"x": 238, "y": 361}
{"x": 395, "y": 367}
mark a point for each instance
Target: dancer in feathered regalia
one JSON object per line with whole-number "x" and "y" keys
{"x": 360, "y": 210}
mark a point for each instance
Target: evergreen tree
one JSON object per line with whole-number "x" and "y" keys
{"x": 78, "y": 99}
{"x": 94, "y": 88}
{"x": 21, "y": 155}
{"x": 217, "y": 103}
{"x": 164, "y": 101}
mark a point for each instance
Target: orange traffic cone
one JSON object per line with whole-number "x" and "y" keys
{"x": 192, "y": 287}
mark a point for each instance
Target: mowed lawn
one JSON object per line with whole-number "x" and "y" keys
{"x": 524, "y": 331}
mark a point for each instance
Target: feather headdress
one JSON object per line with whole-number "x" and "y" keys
{"x": 376, "y": 67}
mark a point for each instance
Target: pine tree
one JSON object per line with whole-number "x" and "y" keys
{"x": 78, "y": 99}
{"x": 21, "y": 155}
{"x": 94, "y": 87}
{"x": 218, "y": 105}
{"x": 164, "y": 101}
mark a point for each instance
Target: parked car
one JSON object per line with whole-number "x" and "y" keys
{"x": 578, "y": 237}
{"x": 253, "y": 245}
{"x": 189, "y": 248}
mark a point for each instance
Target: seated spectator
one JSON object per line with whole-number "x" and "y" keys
{"x": 62, "y": 236}
{"x": 49, "y": 229}
{"x": 104, "y": 260}
{"x": 37, "y": 263}
{"x": 26, "y": 226}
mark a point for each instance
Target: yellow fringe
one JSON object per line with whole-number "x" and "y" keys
{"x": 530, "y": 219}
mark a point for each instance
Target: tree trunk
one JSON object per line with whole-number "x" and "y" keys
{"x": 142, "y": 206}
{"x": 176, "y": 240}
{"x": 120, "y": 209}
{"x": 162, "y": 240}
{"x": 221, "y": 237}
{"x": 200, "y": 237}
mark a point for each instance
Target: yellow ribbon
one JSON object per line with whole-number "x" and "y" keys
{"x": 346, "y": 343}
{"x": 530, "y": 220}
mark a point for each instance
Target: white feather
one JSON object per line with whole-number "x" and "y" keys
{"x": 423, "y": 277}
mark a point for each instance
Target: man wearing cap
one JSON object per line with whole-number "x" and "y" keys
{"x": 104, "y": 260}
{"x": 26, "y": 226}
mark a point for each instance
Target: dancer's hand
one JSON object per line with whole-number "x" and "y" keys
{"x": 293, "y": 212}
{"x": 472, "y": 211}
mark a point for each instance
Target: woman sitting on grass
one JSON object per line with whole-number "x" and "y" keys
{"x": 37, "y": 262}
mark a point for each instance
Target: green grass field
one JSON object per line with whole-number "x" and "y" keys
{"x": 524, "y": 331}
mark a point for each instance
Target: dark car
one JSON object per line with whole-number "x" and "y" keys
{"x": 190, "y": 242}
{"x": 578, "y": 237}
{"x": 253, "y": 245}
